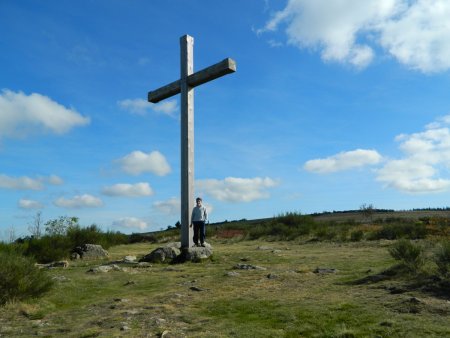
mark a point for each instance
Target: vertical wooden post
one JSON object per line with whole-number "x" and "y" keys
{"x": 187, "y": 139}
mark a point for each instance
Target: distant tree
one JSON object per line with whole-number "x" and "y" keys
{"x": 367, "y": 210}
{"x": 61, "y": 225}
{"x": 35, "y": 227}
{"x": 178, "y": 225}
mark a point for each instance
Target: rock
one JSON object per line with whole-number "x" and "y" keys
{"x": 61, "y": 279}
{"x": 197, "y": 254}
{"x": 241, "y": 266}
{"x": 144, "y": 265}
{"x": 161, "y": 255}
{"x": 196, "y": 288}
{"x": 102, "y": 268}
{"x": 59, "y": 264}
{"x": 263, "y": 247}
{"x": 325, "y": 270}
{"x": 272, "y": 276}
{"x": 90, "y": 251}
{"x": 74, "y": 256}
{"x": 129, "y": 259}
{"x": 232, "y": 274}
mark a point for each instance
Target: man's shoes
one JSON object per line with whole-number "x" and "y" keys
{"x": 195, "y": 245}
{"x": 202, "y": 245}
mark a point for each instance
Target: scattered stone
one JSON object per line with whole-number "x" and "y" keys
{"x": 144, "y": 265}
{"x": 60, "y": 279}
{"x": 101, "y": 268}
{"x": 263, "y": 247}
{"x": 90, "y": 251}
{"x": 232, "y": 274}
{"x": 124, "y": 328}
{"x": 241, "y": 266}
{"x": 196, "y": 288}
{"x": 276, "y": 251}
{"x": 245, "y": 259}
{"x": 164, "y": 333}
{"x": 75, "y": 256}
{"x": 122, "y": 300}
{"x": 325, "y": 270}
{"x": 130, "y": 282}
{"x": 52, "y": 265}
{"x": 129, "y": 259}
{"x": 272, "y": 276}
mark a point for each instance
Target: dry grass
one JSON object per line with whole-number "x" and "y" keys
{"x": 204, "y": 300}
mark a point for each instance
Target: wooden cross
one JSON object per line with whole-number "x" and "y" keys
{"x": 185, "y": 85}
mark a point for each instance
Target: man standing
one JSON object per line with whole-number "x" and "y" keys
{"x": 198, "y": 218}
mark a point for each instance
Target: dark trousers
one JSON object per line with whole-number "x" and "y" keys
{"x": 199, "y": 228}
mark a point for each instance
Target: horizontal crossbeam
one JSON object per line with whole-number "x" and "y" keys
{"x": 221, "y": 68}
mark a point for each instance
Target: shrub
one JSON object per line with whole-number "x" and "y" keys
{"x": 409, "y": 254}
{"x": 356, "y": 236}
{"x": 49, "y": 248}
{"x": 20, "y": 279}
{"x": 442, "y": 258}
{"x": 402, "y": 230}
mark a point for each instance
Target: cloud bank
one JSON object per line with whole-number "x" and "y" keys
{"x": 142, "y": 107}
{"x": 30, "y": 204}
{"x": 130, "y": 223}
{"x": 22, "y": 115}
{"x": 138, "y": 162}
{"x": 343, "y": 161}
{"x": 27, "y": 183}
{"x": 128, "y": 190}
{"x": 423, "y": 167}
{"x": 79, "y": 201}
{"x": 234, "y": 189}
{"x": 415, "y": 32}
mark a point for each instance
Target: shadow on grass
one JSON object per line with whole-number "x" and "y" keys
{"x": 432, "y": 285}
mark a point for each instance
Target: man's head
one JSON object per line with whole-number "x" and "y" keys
{"x": 198, "y": 200}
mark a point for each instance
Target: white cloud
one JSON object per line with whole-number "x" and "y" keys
{"x": 79, "y": 201}
{"x": 171, "y": 206}
{"x": 20, "y": 183}
{"x": 141, "y": 107}
{"x": 343, "y": 161}
{"x": 27, "y": 183}
{"x": 130, "y": 223}
{"x": 54, "y": 180}
{"x": 22, "y": 115}
{"x": 138, "y": 162}
{"x": 348, "y": 31}
{"x": 128, "y": 190}
{"x": 233, "y": 189}
{"x": 426, "y": 162}
{"x": 30, "y": 204}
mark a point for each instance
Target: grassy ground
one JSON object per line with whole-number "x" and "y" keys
{"x": 213, "y": 299}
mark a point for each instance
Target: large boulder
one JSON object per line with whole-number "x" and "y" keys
{"x": 164, "y": 254}
{"x": 197, "y": 254}
{"x": 89, "y": 251}
{"x": 172, "y": 253}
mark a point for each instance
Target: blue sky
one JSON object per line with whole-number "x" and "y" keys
{"x": 334, "y": 104}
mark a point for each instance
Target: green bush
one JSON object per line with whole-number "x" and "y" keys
{"x": 49, "y": 248}
{"x": 20, "y": 279}
{"x": 409, "y": 254}
{"x": 401, "y": 230}
{"x": 442, "y": 258}
{"x": 356, "y": 236}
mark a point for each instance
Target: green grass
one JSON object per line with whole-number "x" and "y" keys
{"x": 297, "y": 303}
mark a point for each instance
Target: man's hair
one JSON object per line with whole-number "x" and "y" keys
{"x": 198, "y": 199}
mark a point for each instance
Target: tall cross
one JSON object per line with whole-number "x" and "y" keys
{"x": 185, "y": 85}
